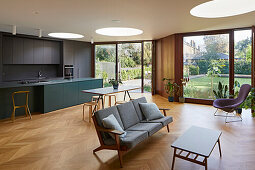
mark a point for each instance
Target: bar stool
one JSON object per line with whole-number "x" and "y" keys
{"x": 94, "y": 99}
{"x": 110, "y": 99}
{"x": 24, "y": 106}
{"x": 90, "y": 105}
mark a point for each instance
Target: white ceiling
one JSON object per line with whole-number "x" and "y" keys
{"x": 157, "y": 18}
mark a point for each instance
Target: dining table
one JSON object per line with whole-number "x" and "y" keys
{"x": 110, "y": 90}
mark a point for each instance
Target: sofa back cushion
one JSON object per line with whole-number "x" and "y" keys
{"x": 128, "y": 114}
{"x": 137, "y": 107}
{"x": 101, "y": 114}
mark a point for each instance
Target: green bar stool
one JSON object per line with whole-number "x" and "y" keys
{"x": 22, "y": 106}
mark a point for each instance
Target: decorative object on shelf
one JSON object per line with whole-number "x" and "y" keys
{"x": 221, "y": 92}
{"x": 170, "y": 88}
{"x": 115, "y": 83}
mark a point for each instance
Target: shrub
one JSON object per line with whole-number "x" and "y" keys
{"x": 193, "y": 70}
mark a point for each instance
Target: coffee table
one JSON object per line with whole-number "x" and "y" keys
{"x": 195, "y": 143}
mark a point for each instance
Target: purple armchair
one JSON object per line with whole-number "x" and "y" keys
{"x": 230, "y": 105}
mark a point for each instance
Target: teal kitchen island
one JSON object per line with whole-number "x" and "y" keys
{"x": 47, "y": 96}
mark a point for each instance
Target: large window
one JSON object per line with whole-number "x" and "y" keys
{"x": 134, "y": 63}
{"x": 205, "y": 64}
{"x": 242, "y": 56}
{"x": 105, "y": 56}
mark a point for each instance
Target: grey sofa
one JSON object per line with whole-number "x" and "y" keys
{"x": 131, "y": 119}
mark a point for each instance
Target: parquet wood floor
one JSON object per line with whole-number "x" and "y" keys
{"x": 62, "y": 140}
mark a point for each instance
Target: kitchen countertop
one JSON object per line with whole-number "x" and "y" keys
{"x": 44, "y": 82}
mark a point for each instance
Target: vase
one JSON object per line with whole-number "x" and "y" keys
{"x": 170, "y": 99}
{"x": 115, "y": 86}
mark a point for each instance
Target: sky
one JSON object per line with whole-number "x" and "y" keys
{"x": 239, "y": 35}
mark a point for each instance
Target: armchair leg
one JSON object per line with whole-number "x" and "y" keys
{"x": 120, "y": 158}
{"x": 167, "y": 128}
{"x": 97, "y": 149}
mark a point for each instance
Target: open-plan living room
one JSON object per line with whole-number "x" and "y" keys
{"x": 127, "y": 84}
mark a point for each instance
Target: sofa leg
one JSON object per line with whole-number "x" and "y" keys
{"x": 120, "y": 158}
{"x": 167, "y": 128}
{"x": 97, "y": 149}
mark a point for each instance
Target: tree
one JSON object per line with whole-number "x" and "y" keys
{"x": 105, "y": 53}
{"x": 131, "y": 50}
{"x": 147, "y": 53}
{"x": 215, "y": 44}
{"x": 242, "y": 48}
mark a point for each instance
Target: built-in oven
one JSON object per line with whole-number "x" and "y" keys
{"x": 68, "y": 71}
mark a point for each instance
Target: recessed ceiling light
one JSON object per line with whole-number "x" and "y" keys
{"x": 119, "y": 31}
{"x": 223, "y": 8}
{"x": 65, "y": 35}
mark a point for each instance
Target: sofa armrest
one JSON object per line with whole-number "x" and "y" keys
{"x": 116, "y": 132}
{"x": 164, "y": 110}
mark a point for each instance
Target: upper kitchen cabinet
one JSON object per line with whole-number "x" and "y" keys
{"x": 68, "y": 52}
{"x": 38, "y": 51}
{"x": 19, "y": 50}
{"x": 28, "y": 51}
{"x": 7, "y": 50}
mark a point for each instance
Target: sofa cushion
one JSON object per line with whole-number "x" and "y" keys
{"x": 101, "y": 114}
{"x": 164, "y": 121}
{"x": 131, "y": 139}
{"x": 111, "y": 122}
{"x": 151, "y": 111}
{"x": 128, "y": 114}
{"x": 137, "y": 107}
{"x": 151, "y": 128}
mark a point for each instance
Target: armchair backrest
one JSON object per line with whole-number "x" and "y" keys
{"x": 243, "y": 93}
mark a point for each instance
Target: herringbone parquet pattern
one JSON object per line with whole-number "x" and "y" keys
{"x": 61, "y": 140}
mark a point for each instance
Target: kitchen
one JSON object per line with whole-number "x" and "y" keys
{"x": 53, "y": 70}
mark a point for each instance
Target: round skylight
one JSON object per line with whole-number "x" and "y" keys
{"x": 119, "y": 31}
{"x": 65, "y": 35}
{"x": 223, "y": 8}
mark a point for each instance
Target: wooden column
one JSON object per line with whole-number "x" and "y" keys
{"x": 231, "y": 62}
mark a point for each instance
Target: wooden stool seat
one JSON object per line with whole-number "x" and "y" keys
{"x": 90, "y": 105}
{"x": 22, "y": 106}
{"x": 110, "y": 98}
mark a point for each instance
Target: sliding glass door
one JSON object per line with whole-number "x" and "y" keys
{"x": 205, "y": 64}
{"x": 129, "y": 62}
{"x": 105, "y": 64}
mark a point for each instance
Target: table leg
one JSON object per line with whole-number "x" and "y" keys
{"x": 128, "y": 95}
{"x": 205, "y": 163}
{"x": 101, "y": 97}
{"x": 125, "y": 95}
{"x": 173, "y": 158}
{"x": 219, "y": 147}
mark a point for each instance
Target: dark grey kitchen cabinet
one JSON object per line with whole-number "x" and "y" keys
{"x": 68, "y": 52}
{"x": 7, "y": 50}
{"x": 38, "y": 51}
{"x": 55, "y": 53}
{"x": 47, "y": 52}
{"x": 28, "y": 51}
{"x": 18, "y": 51}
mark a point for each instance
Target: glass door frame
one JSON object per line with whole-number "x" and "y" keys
{"x": 116, "y": 43}
{"x": 179, "y": 58}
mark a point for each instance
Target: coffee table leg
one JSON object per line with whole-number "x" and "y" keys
{"x": 173, "y": 158}
{"x": 219, "y": 146}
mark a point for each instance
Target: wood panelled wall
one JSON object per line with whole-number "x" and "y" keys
{"x": 165, "y": 62}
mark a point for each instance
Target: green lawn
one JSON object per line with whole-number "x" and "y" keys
{"x": 201, "y": 87}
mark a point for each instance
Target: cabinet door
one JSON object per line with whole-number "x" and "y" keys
{"x": 7, "y": 50}
{"x": 70, "y": 94}
{"x": 28, "y": 51}
{"x": 68, "y": 53}
{"x": 47, "y": 52}
{"x": 18, "y": 50}
{"x": 38, "y": 52}
{"x": 55, "y": 53}
{"x": 53, "y": 97}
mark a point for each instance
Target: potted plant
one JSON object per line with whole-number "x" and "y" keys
{"x": 249, "y": 103}
{"x": 169, "y": 88}
{"x": 221, "y": 92}
{"x": 115, "y": 83}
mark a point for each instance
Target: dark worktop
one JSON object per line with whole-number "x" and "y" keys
{"x": 43, "y": 82}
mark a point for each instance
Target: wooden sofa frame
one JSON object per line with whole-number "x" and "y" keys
{"x": 121, "y": 149}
